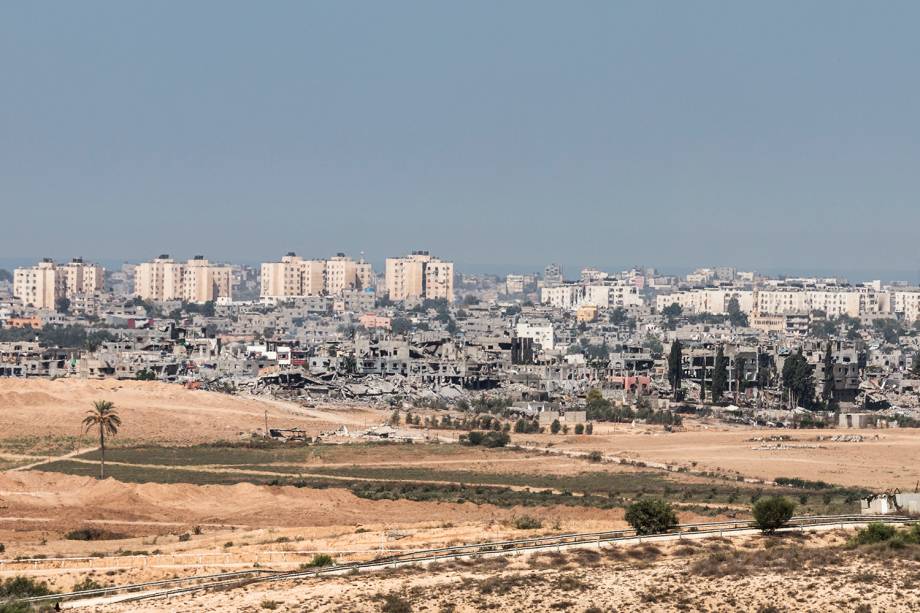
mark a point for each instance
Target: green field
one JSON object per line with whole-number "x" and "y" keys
{"x": 594, "y": 487}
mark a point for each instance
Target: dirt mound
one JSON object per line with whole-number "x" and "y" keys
{"x": 149, "y": 410}
{"x": 69, "y": 498}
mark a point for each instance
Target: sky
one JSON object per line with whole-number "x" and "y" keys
{"x": 776, "y": 136}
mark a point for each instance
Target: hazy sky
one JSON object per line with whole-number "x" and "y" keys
{"x": 503, "y": 135}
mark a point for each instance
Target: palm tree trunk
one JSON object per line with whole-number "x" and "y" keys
{"x": 102, "y": 449}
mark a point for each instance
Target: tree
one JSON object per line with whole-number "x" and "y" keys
{"x": 62, "y": 305}
{"x": 915, "y": 364}
{"x": 104, "y": 417}
{"x": 5, "y": 276}
{"x": 653, "y": 344}
{"x": 797, "y": 379}
{"x": 771, "y": 514}
{"x": 651, "y": 516}
{"x": 400, "y": 325}
{"x": 736, "y": 316}
{"x": 671, "y": 313}
{"x": 827, "y": 393}
{"x": 739, "y": 376}
{"x": 555, "y": 426}
{"x": 675, "y": 368}
{"x": 719, "y": 375}
{"x": 579, "y": 429}
{"x": 619, "y": 317}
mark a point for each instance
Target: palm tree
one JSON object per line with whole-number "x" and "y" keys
{"x": 103, "y": 416}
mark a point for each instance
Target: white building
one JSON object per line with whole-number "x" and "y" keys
{"x": 540, "y": 331}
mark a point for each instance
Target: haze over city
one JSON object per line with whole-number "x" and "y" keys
{"x": 779, "y": 136}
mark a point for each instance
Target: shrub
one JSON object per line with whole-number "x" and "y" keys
{"x": 555, "y": 427}
{"x": 526, "y": 522}
{"x": 595, "y": 456}
{"x": 23, "y": 587}
{"x": 771, "y": 514}
{"x": 876, "y": 532}
{"x": 486, "y": 439}
{"x": 589, "y": 429}
{"x": 269, "y": 604}
{"x": 87, "y": 584}
{"x": 579, "y": 429}
{"x": 92, "y": 534}
{"x": 394, "y": 603}
{"x": 319, "y": 560}
{"x": 185, "y": 537}
{"x": 651, "y": 516}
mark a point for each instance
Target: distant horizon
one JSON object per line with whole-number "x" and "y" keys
{"x": 570, "y": 272}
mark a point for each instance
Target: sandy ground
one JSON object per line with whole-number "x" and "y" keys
{"x": 153, "y": 411}
{"x": 787, "y": 574}
{"x": 889, "y": 461}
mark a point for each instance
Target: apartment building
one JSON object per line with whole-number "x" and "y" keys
{"x": 712, "y": 301}
{"x": 196, "y": 280}
{"x": 295, "y": 277}
{"x": 609, "y": 295}
{"x": 419, "y": 275}
{"x": 834, "y": 300}
{"x": 82, "y": 278}
{"x": 906, "y": 303}
{"x": 42, "y": 285}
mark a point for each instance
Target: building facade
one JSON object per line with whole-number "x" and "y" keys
{"x": 419, "y": 275}
{"x": 44, "y": 284}
{"x": 197, "y": 280}
{"x": 294, "y": 277}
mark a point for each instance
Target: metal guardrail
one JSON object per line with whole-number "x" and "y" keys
{"x": 489, "y": 548}
{"x": 105, "y": 591}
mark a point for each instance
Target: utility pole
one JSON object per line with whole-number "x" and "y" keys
{"x": 266, "y": 422}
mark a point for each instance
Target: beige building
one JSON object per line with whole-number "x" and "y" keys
{"x": 419, "y": 275}
{"x": 81, "y": 277}
{"x": 293, "y": 276}
{"x": 196, "y": 281}
{"x": 42, "y": 285}
{"x": 39, "y": 286}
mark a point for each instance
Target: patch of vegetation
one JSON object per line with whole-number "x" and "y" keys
{"x": 23, "y": 587}
{"x": 85, "y": 585}
{"x": 651, "y": 516}
{"x": 93, "y": 534}
{"x": 395, "y": 603}
{"x": 771, "y": 514}
{"x": 526, "y": 522}
{"x": 485, "y": 439}
{"x": 318, "y": 561}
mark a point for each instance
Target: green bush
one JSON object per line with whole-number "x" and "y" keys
{"x": 526, "y": 522}
{"x": 651, "y": 516}
{"x": 486, "y": 439}
{"x": 92, "y": 534}
{"x": 394, "y": 603}
{"x": 318, "y": 561}
{"x": 876, "y": 532}
{"x": 87, "y": 584}
{"x": 23, "y": 587}
{"x": 771, "y": 514}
